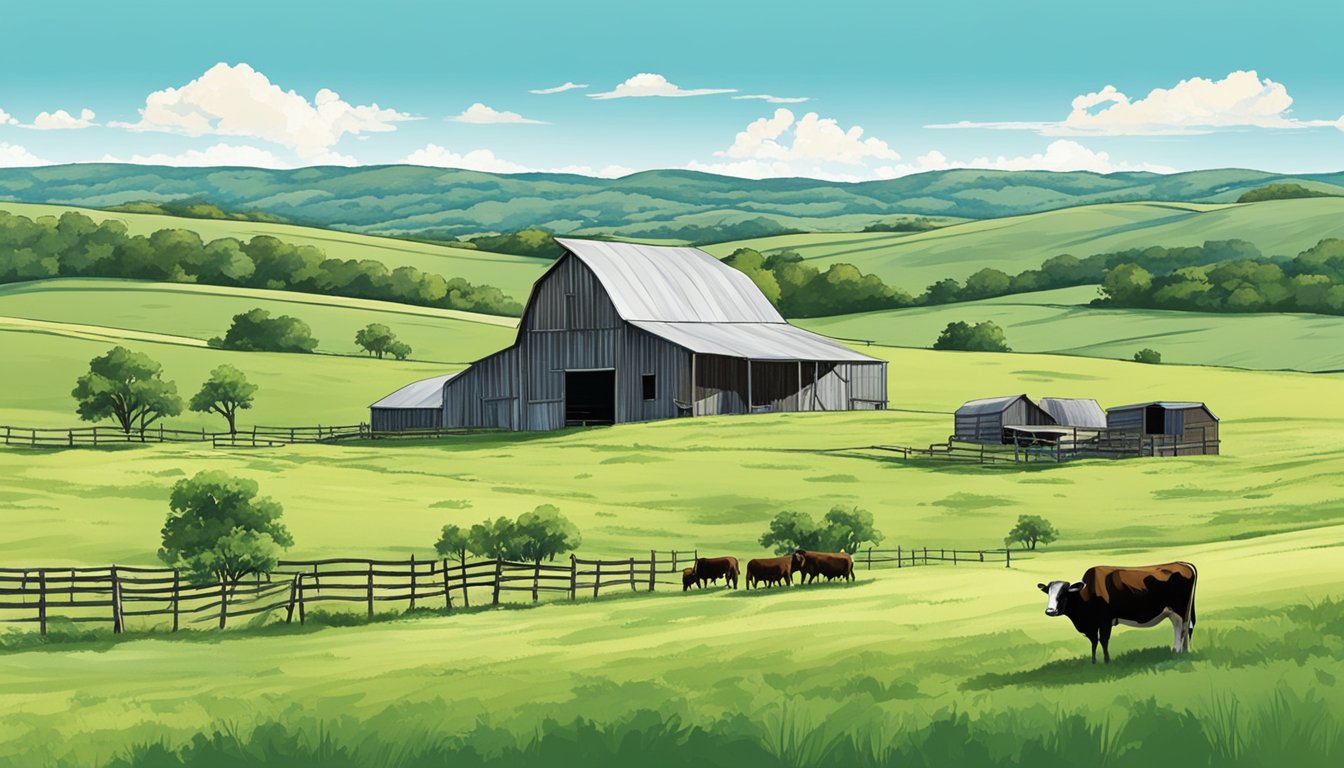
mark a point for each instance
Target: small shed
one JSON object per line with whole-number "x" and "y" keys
{"x": 418, "y": 405}
{"x": 1075, "y": 412}
{"x": 1169, "y": 428}
{"x": 983, "y": 421}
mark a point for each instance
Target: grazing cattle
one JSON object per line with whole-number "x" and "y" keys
{"x": 711, "y": 569}
{"x": 832, "y": 565}
{"x": 688, "y": 579}
{"x": 773, "y": 570}
{"x": 1135, "y": 597}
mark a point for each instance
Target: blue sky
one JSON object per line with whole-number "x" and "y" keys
{"x": 890, "y": 88}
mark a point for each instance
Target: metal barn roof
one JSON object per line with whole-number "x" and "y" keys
{"x": 426, "y": 393}
{"x": 672, "y": 284}
{"x": 989, "y": 405}
{"x": 1171, "y": 405}
{"x": 754, "y": 341}
{"x": 1073, "y": 412}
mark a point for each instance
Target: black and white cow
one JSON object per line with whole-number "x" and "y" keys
{"x": 1134, "y": 597}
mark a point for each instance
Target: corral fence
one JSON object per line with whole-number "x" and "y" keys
{"x": 909, "y": 557}
{"x": 30, "y": 437}
{"x": 246, "y": 437}
{"x": 1063, "y": 444}
{"x": 157, "y": 597}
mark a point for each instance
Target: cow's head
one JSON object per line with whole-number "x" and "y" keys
{"x": 799, "y": 557}
{"x": 687, "y": 578}
{"x": 1059, "y": 593}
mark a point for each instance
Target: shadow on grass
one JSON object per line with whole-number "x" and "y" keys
{"x": 767, "y": 591}
{"x": 1081, "y": 670}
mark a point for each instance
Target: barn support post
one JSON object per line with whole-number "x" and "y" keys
{"x": 412, "y": 582}
{"x": 750, "y": 398}
{"x": 653, "y": 567}
{"x": 499, "y": 575}
{"x": 42, "y": 600}
{"x": 695, "y": 401}
{"x": 573, "y": 577}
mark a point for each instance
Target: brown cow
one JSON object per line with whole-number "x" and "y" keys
{"x": 711, "y": 569}
{"x": 832, "y": 565}
{"x": 688, "y": 579}
{"x": 772, "y": 570}
{"x": 1135, "y": 597}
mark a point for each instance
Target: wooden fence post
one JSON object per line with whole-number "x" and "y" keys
{"x": 466, "y": 594}
{"x": 954, "y": 557}
{"x": 116, "y": 603}
{"x": 42, "y": 599}
{"x": 597, "y": 578}
{"x": 370, "y": 589}
{"x": 303, "y": 617}
{"x": 412, "y": 582}
{"x": 177, "y": 595}
{"x": 447, "y": 593}
{"x": 982, "y": 555}
{"x": 653, "y": 566}
{"x": 223, "y": 603}
{"x": 632, "y": 575}
{"x": 499, "y": 575}
{"x": 536, "y": 580}
{"x": 898, "y": 555}
{"x": 1007, "y": 558}
{"x": 573, "y": 577}
{"x": 926, "y": 555}
{"x": 289, "y": 610}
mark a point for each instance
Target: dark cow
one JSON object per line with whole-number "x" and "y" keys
{"x": 688, "y": 579}
{"x": 773, "y": 570}
{"x": 832, "y": 565}
{"x": 1135, "y": 597}
{"x": 711, "y": 569}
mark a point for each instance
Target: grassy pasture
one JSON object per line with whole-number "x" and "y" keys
{"x": 1060, "y": 321}
{"x": 512, "y": 274}
{"x": 1012, "y": 244}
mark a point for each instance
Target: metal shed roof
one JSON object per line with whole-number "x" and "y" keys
{"x": 1074, "y": 412}
{"x": 426, "y": 393}
{"x": 1171, "y": 405}
{"x": 989, "y": 405}
{"x": 754, "y": 341}
{"x": 672, "y": 284}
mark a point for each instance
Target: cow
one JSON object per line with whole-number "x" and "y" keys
{"x": 773, "y": 570}
{"x": 1135, "y": 597}
{"x": 832, "y": 565}
{"x": 688, "y": 579}
{"x": 711, "y": 569}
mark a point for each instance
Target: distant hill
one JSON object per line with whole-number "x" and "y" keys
{"x": 656, "y": 204}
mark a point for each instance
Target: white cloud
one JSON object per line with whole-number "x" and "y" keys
{"x": 240, "y": 101}
{"x": 774, "y": 99}
{"x": 60, "y": 120}
{"x": 568, "y": 86}
{"x": 649, "y": 84}
{"x": 1063, "y": 155}
{"x": 1197, "y": 105}
{"x": 15, "y": 156}
{"x": 486, "y": 161}
{"x": 7, "y": 119}
{"x": 811, "y": 139}
{"x": 219, "y": 154}
{"x": 483, "y": 115}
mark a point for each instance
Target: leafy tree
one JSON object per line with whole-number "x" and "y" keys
{"x": 127, "y": 386}
{"x": 544, "y": 533}
{"x": 790, "y": 530}
{"x": 256, "y": 331}
{"x": 1126, "y": 283}
{"x": 399, "y": 349}
{"x": 494, "y": 539}
{"x": 453, "y": 543}
{"x": 1030, "y": 530}
{"x": 533, "y": 241}
{"x": 376, "y": 339}
{"x": 218, "y": 531}
{"x": 751, "y": 263}
{"x": 226, "y": 392}
{"x": 1147, "y": 355}
{"x": 848, "y": 529}
{"x": 981, "y": 337}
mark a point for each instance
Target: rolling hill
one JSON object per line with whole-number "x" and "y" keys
{"x": 408, "y": 199}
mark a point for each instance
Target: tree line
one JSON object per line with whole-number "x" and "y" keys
{"x": 74, "y": 245}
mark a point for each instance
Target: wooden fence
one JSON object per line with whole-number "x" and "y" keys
{"x": 29, "y": 437}
{"x": 913, "y": 556}
{"x": 116, "y": 594}
{"x": 247, "y": 437}
{"x": 1067, "y": 444}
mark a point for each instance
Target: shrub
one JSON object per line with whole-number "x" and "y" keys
{"x": 256, "y": 331}
{"x": 1030, "y": 530}
{"x": 1147, "y": 355}
{"x": 981, "y": 337}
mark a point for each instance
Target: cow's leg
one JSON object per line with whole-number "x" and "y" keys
{"x": 1105, "y": 633}
{"x": 1093, "y": 637}
{"x": 1177, "y": 634}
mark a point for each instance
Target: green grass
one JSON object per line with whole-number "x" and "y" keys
{"x": 1060, "y": 321}
{"x": 512, "y": 274}
{"x": 201, "y": 312}
{"x": 913, "y": 261}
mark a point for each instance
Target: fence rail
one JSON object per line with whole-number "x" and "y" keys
{"x": 247, "y": 437}
{"x": 910, "y": 557}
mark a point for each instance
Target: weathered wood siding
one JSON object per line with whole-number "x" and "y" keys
{"x": 486, "y": 394}
{"x": 398, "y": 419}
{"x": 988, "y": 427}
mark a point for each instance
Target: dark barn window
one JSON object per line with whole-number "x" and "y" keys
{"x": 650, "y": 383}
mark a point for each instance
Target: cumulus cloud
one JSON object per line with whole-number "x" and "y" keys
{"x": 15, "y": 156}
{"x": 649, "y": 84}
{"x": 7, "y": 119}
{"x": 1064, "y": 155}
{"x": 486, "y": 161}
{"x": 60, "y": 120}
{"x": 568, "y": 86}
{"x": 1242, "y": 99}
{"x": 240, "y": 101}
{"x": 483, "y": 115}
{"x": 774, "y": 99}
{"x": 811, "y": 139}
{"x": 217, "y": 155}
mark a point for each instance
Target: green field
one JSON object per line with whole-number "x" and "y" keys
{"x": 913, "y": 261}
{"x": 880, "y": 660}
{"x": 512, "y": 274}
{"x": 1060, "y": 321}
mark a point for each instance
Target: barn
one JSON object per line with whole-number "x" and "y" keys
{"x": 983, "y": 421}
{"x": 418, "y": 405}
{"x": 1169, "y": 428}
{"x": 624, "y": 332}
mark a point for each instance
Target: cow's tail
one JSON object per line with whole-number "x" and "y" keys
{"x": 1190, "y": 612}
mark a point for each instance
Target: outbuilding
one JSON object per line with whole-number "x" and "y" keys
{"x": 624, "y": 332}
{"x": 984, "y": 421}
{"x": 1075, "y": 412}
{"x": 1168, "y": 428}
{"x": 418, "y": 405}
